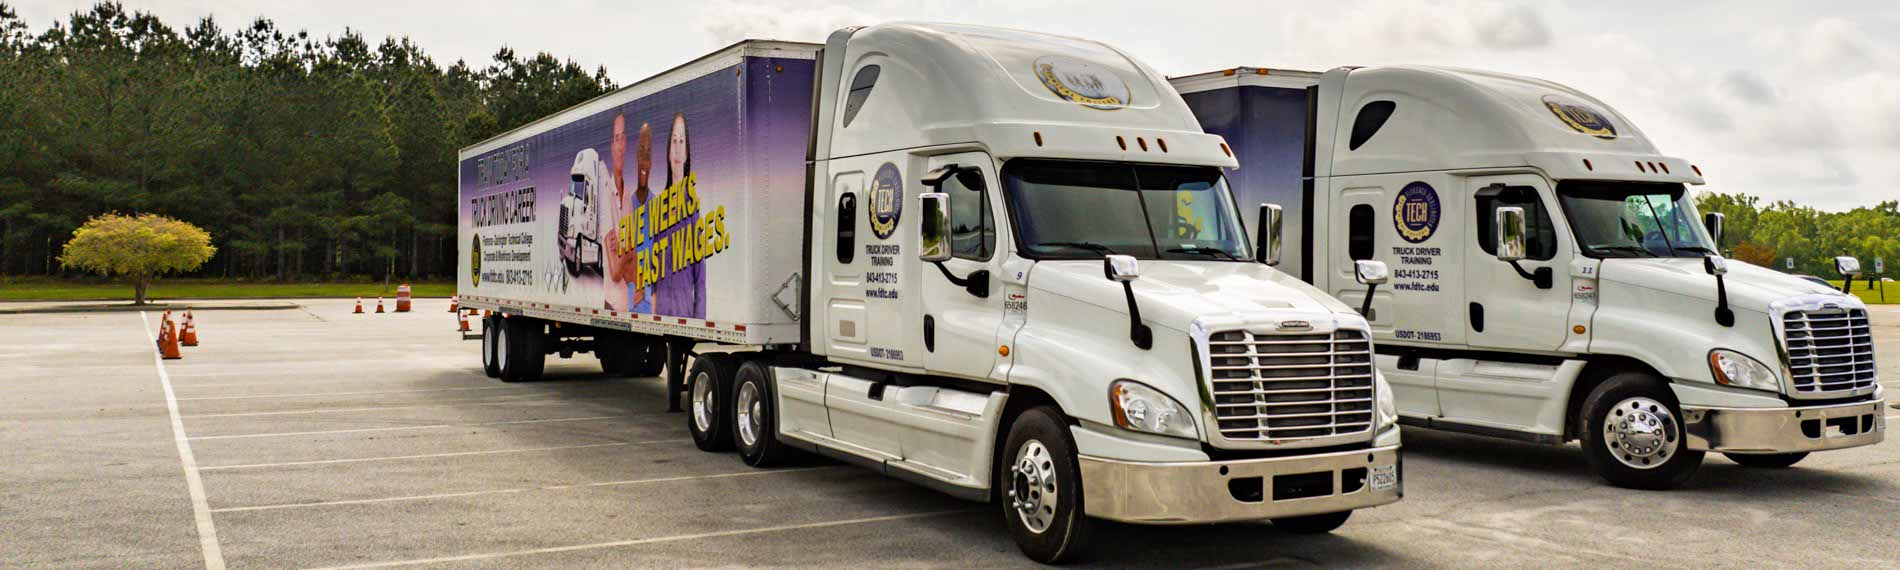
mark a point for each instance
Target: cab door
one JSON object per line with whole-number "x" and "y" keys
{"x": 959, "y": 327}
{"x": 1504, "y": 310}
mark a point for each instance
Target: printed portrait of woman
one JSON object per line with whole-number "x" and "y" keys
{"x": 682, "y": 293}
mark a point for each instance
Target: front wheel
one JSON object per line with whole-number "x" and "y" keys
{"x": 1634, "y": 437}
{"x": 1042, "y": 488}
{"x": 1767, "y": 460}
{"x": 710, "y": 418}
{"x": 1312, "y": 524}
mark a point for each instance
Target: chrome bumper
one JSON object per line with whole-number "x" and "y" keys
{"x": 1784, "y": 430}
{"x": 1251, "y": 489}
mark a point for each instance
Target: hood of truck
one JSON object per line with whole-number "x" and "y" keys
{"x": 1750, "y": 287}
{"x": 1174, "y": 294}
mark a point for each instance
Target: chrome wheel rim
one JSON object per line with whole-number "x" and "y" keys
{"x": 1641, "y": 433}
{"x": 702, "y": 402}
{"x": 751, "y": 413}
{"x": 1032, "y": 489}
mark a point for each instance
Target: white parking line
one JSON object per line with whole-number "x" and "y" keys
{"x": 428, "y": 426}
{"x": 374, "y": 392}
{"x": 655, "y": 540}
{"x": 752, "y": 473}
{"x": 462, "y": 403}
{"x": 438, "y": 455}
{"x": 194, "y": 485}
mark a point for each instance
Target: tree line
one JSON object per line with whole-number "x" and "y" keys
{"x": 304, "y": 157}
{"x": 1769, "y": 235}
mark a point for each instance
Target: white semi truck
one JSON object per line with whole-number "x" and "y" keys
{"x": 999, "y": 264}
{"x": 1551, "y": 280}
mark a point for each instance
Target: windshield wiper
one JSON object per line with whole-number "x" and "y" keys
{"x": 1637, "y": 249}
{"x": 1221, "y": 253}
{"x": 1694, "y": 248}
{"x": 1095, "y": 247}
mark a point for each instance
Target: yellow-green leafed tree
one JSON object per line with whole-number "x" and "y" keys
{"x": 139, "y": 248}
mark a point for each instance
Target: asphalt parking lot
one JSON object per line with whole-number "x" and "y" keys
{"x": 320, "y": 438}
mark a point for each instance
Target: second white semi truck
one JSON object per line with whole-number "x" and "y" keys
{"x": 999, "y": 264}
{"x": 1551, "y": 279}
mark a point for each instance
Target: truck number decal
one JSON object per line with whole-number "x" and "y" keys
{"x": 1418, "y": 335}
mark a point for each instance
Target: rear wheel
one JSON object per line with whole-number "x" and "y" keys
{"x": 1767, "y": 460}
{"x": 1042, "y": 487}
{"x": 523, "y": 341}
{"x": 1312, "y": 524}
{"x": 755, "y": 416}
{"x": 1633, "y": 437}
{"x": 709, "y": 417}
{"x": 489, "y": 366}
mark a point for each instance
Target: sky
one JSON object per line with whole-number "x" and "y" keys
{"x": 1791, "y": 101}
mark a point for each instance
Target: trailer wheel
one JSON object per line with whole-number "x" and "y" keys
{"x": 489, "y": 365}
{"x": 523, "y": 342}
{"x": 755, "y": 416}
{"x": 1634, "y": 437}
{"x": 649, "y": 360}
{"x": 1312, "y": 524}
{"x": 1042, "y": 487}
{"x": 709, "y": 417}
{"x": 1767, "y": 460}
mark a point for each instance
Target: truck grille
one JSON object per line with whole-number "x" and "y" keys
{"x": 1291, "y": 386}
{"x": 1829, "y": 351}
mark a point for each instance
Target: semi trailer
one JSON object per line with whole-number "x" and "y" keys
{"x": 1551, "y": 280}
{"x": 999, "y": 264}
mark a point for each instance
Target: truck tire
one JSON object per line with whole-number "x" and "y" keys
{"x": 755, "y": 416}
{"x": 1632, "y": 435}
{"x": 649, "y": 360}
{"x": 523, "y": 340}
{"x": 1042, "y": 487}
{"x": 1767, "y": 460}
{"x": 709, "y": 415}
{"x": 489, "y": 366}
{"x": 1312, "y": 524}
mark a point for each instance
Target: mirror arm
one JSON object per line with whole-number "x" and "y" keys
{"x": 978, "y": 283}
{"x": 1544, "y": 277}
{"x": 1138, "y": 332}
{"x": 1365, "y": 310}
{"x": 1723, "y": 314}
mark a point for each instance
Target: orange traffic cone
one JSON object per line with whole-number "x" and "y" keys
{"x": 188, "y": 336}
{"x": 359, "y": 305}
{"x": 453, "y": 306}
{"x": 168, "y": 344}
{"x": 171, "y": 327}
{"x": 379, "y": 304}
{"x": 461, "y": 320}
{"x": 403, "y": 298}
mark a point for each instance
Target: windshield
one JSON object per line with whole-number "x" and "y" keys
{"x": 1083, "y": 210}
{"x": 579, "y": 188}
{"x": 1633, "y": 219}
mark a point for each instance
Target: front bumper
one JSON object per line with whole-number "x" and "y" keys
{"x": 1250, "y": 489}
{"x": 1784, "y": 430}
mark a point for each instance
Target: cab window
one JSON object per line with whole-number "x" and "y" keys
{"x": 1540, "y": 235}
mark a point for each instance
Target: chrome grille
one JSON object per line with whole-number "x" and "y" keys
{"x": 1829, "y": 351}
{"x": 1290, "y": 386}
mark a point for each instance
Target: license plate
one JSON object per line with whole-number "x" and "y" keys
{"x": 1385, "y": 477}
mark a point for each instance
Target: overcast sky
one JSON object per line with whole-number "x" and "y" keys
{"x": 1785, "y": 100}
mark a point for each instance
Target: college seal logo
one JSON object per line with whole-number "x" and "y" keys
{"x": 887, "y": 200}
{"x": 1415, "y": 212}
{"x": 1081, "y": 82}
{"x": 1580, "y": 117}
{"x": 475, "y": 262}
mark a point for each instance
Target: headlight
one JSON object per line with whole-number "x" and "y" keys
{"x": 1140, "y": 408}
{"x": 1382, "y": 395}
{"x": 1733, "y": 369}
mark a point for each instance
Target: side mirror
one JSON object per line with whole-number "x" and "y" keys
{"x": 1713, "y": 222}
{"x": 1510, "y": 233}
{"x": 1370, "y": 272}
{"x": 936, "y": 227}
{"x": 1847, "y": 266}
{"x": 1267, "y": 235}
{"x": 1121, "y": 268}
{"x": 1715, "y": 264}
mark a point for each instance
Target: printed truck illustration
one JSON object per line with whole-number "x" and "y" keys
{"x": 579, "y": 219}
{"x": 926, "y": 250}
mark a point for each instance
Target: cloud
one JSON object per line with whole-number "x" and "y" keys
{"x": 729, "y": 21}
{"x": 1397, "y": 30}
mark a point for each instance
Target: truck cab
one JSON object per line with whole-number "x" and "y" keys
{"x": 1027, "y": 278}
{"x": 1551, "y": 278}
